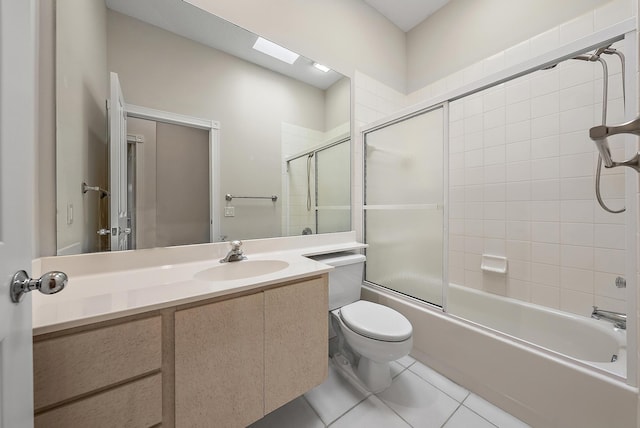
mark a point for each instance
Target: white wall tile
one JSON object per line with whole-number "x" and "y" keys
{"x": 546, "y": 274}
{"x": 545, "y": 295}
{"x": 518, "y": 91}
{"x": 518, "y": 191}
{"x": 545, "y": 210}
{"x": 577, "y": 279}
{"x": 576, "y": 302}
{"x": 545, "y": 190}
{"x": 519, "y": 171}
{"x": 545, "y": 82}
{"x": 577, "y": 211}
{"x": 542, "y": 252}
{"x": 519, "y": 151}
{"x": 545, "y": 126}
{"x": 613, "y": 12}
{"x": 577, "y": 234}
{"x": 545, "y": 147}
{"x": 609, "y": 260}
{"x": 494, "y": 137}
{"x": 494, "y": 98}
{"x": 576, "y": 28}
{"x": 610, "y": 236}
{"x": 518, "y": 250}
{"x": 577, "y": 257}
{"x": 545, "y": 169}
{"x": 545, "y": 104}
{"x": 548, "y": 232}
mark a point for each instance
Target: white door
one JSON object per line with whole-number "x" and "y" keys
{"x": 118, "y": 212}
{"x": 17, "y": 166}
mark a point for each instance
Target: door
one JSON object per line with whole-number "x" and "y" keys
{"x": 17, "y": 166}
{"x": 118, "y": 213}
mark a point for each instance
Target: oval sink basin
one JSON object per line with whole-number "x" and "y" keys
{"x": 241, "y": 270}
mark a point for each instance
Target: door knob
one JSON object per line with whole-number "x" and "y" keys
{"x": 49, "y": 283}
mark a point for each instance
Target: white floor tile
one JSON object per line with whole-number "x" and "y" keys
{"x": 334, "y": 396}
{"x": 296, "y": 414}
{"x": 371, "y": 413}
{"x": 406, "y": 361}
{"x": 396, "y": 368}
{"x": 465, "y": 418}
{"x": 492, "y": 413}
{"x": 417, "y": 401}
{"x": 439, "y": 381}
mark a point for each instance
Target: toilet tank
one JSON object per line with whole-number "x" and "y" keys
{"x": 345, "y": 280}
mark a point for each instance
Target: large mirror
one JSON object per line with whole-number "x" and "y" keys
{"x": 221, "y": 141}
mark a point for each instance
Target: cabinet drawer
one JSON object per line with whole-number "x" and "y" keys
{"x": 69, "y": 366}
{"x": 136, "y": 404}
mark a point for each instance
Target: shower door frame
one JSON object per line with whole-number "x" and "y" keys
{"x": 444, "y": 105}
{"x": 625, "y": 31}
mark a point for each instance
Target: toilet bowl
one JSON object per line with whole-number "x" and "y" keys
{"x": 375, "y": 344}
{"x": 369, "y": 335}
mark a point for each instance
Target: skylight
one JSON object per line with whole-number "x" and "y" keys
{"x": 275, "y": 50}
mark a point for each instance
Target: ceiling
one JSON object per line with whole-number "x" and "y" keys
{"x": 180, "y": 17}
{"x": 406, "y": 14}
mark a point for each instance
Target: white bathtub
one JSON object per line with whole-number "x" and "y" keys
{"x": 594, "y": 342}
{"x": 523, "y": 371}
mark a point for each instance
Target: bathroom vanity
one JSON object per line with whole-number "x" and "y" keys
{"x": 184, "y": 352}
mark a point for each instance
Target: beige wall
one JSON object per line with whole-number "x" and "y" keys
{"x": 337, "y": 106}
{"x": 45, "y": 202}
{"x": 466, "y": 31}
{"x": 346, "y": 35}
{"x": 160, "y": 70}
{"x": 81, "y": 90}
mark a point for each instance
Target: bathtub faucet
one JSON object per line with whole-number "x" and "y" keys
{"x": 235, "y": 254}
{"x": 618, "y": 319}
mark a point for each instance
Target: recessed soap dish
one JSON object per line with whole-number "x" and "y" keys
{"x": 495, "y": 264}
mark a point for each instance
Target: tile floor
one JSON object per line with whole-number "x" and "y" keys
{"x": 418, "y": 397}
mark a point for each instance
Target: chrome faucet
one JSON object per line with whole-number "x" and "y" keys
{"x": 235, "y": 254}
{"x": 618, "y": 319}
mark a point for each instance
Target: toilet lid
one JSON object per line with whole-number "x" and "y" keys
{"x": 376, "y": 321}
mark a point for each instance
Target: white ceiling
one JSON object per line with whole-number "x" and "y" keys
{"x": 180, "y": 17}
{"x": 406, "y": 14}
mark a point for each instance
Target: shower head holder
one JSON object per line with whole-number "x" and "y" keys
{"x": 599, "y": 134}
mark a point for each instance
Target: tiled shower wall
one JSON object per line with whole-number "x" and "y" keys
{"x": 539, "y": 210}
{"x": 522, "y": 172}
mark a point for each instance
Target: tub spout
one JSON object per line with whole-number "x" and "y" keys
{"x": 618, "y": 319}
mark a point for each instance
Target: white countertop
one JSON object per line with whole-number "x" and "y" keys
{"x": 108, "y": 294}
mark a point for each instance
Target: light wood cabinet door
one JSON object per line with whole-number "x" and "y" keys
{"x": 78, "y": 364}
{"x": 137, "y": 404}
{"x": 219, "y": 366}
{"x": 296, "y": 340}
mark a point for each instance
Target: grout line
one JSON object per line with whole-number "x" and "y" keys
{"x": 354, "y": 406}
{"x": 471, "y": 410}
{"x": 451, "y": 415}
{"x": 314, "y": 410}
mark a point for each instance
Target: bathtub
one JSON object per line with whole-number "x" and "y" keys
{"x": 548, "y": 368}
{"x": 594, "y": 342}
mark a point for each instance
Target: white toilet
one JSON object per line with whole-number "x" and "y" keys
{"x": 370, "y": 335}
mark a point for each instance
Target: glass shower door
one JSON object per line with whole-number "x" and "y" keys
{"x": 333, "y": 193}
{"x": 404, "y": 205}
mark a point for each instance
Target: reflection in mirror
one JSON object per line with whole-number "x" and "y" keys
{"x": 206, "y": 116}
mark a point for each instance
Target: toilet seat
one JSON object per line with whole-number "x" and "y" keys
{"x": 376, "y": 321}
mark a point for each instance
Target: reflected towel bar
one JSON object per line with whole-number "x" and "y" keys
{"x": 229, "y": 197}
{"x": 103, "y": 193}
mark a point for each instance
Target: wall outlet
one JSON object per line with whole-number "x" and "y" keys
{"x": 229, "y": 211}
